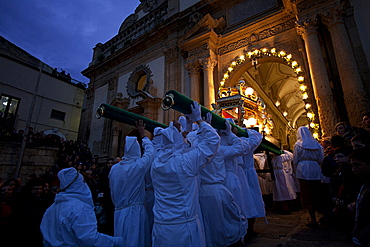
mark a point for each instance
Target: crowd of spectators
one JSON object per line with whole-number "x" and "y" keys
{"x": 33, "y": 138}
{"x": 22, "y": 204}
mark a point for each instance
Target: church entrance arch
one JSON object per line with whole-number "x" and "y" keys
{"x": 275, "y": 92}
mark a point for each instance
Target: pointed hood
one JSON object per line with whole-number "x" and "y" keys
{"x": 132, "y": 148}
{"x": 182, "y": 121}
{"x": 72, "y": 186}
{"x": 306, "y": 140}
{"x": 173, "y": 143}
{"x": 158, "y": 137}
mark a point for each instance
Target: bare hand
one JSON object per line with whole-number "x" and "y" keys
{"x": 177, "y": 124}
{"x": 140, "y": 125}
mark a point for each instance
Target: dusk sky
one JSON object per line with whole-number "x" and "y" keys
{"x": 62, "y": 34}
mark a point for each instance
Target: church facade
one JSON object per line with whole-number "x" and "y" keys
{"x": 274, "y": 65}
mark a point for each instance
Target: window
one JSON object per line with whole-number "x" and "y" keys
{"x": 8, "y": 111}
{"x": 59, "y": 115}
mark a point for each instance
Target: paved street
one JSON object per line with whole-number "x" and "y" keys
{"x": 291, "y": 230}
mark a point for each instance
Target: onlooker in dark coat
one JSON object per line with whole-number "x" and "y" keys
{"x": 360, "y": 160}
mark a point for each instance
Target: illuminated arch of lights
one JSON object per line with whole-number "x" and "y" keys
{"x": 252, "y": 56}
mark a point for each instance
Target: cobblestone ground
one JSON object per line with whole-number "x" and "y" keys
{"x": 291, "y": 230}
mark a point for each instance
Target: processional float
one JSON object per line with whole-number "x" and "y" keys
{"x": 179, "y": 102}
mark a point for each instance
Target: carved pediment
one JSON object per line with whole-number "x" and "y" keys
{"x": 204, "y": 25}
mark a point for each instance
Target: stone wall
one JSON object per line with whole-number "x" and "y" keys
{"x": 35, "y": 160}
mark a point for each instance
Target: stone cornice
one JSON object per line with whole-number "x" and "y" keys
{"x": 260, "y": 33}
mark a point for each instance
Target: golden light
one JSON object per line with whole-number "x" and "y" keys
{"x": 252, "y": 121}
{"x": 236, "y": 110}
{"x": 230, "y": 69}
{"x": 249, "y": 91}
{"x": 310, "y": 115}
{"x": 264, "y": 50}
{"x": 222, "y": 83}
{"x": 289, "y": 56}
{"x": 273, "y": 50}
{"x": 250, "y": 54}
{"x": 305, "y": 95}
{"x": 282, "y": 53}
{"x": 298, "y": 70}
{"x": 312, "y": 125}
{"x": 315, "y": 135}
{"x": 226, "y": 75}
{"x": 256, "y": 52}
{"x": 300, "y": 78}
{"x": 303, "y": 87}
{"x": 285, "y": 114}
{"x": 242, "y": 57}
{"x": 308, "y": 105}
{"x": 294, "y": 63}
{"x": 277, "y": 103}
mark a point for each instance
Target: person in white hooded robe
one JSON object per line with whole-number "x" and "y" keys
{"x": 254, "y": 139}
{"x": 174, "y": 175}
{"x": 127, "y": 185}
{"x": 308, "y": 156}
{"x": 283, "y": 186}
{"x": 70, "y": 220}
{"x": 224, "y": 222}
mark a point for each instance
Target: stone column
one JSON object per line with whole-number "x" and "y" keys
{"x": 209, "y": 88}
{"x": 320, "y": 79}
{"x": 193, "y": 69}
{"x": 353, "y": 90}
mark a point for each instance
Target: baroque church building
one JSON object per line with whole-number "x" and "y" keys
{"x": 274, "y": 65}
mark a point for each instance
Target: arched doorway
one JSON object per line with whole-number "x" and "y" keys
{"x": 281, "y": 100}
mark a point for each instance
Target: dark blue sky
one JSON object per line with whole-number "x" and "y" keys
{"x": 62, "y": 33}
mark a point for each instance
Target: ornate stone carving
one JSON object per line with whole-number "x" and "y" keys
{"x": 112, "y": 83}
{"x": 140, "y": 82}
{"x": 333, "y": 16}
{"x": 171, "y": 52}
{"x": 306, "y": 26}
{"x": 198, "y": 50}
{"x": 208, "y": 63}
{"x": 194, "y": 18}
{"x": 193, "y": 67}
{"x": 255, "y": 36}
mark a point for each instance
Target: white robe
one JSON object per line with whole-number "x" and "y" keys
{"x": 308, "y": 156}
{"x": 254, "y": 140}
{"x": 71, "y": 220}
{"x": 127, "y": 187}
{"x": 284, "y": 184}
{"x": 232, "y": 181}
{"x": 174, "y": 175}
{"x": 224, "y": 223}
